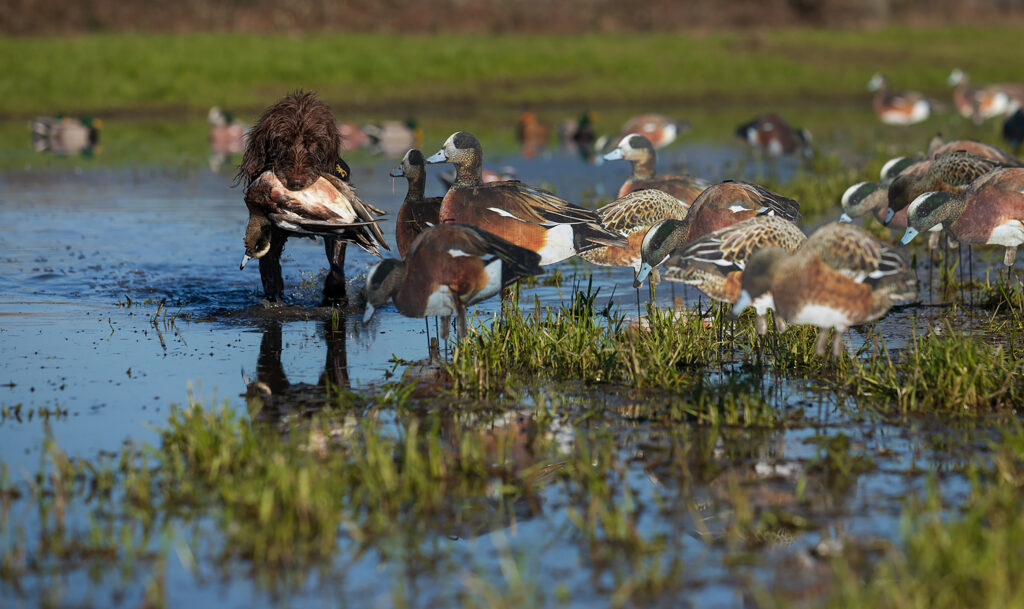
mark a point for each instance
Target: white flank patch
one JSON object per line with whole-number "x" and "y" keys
{"x": 493, "y": 286}
{"x": 440, "y": 302}
{"x": 1000, "y": 105}
{"x": 821, "y": 316}
{"x": 752, "y": 136}
{"x": 763, "y": 303}
{"x": 503, "y": 213}
{"x": 454, "y": 253}
{"x": 557, "y": 244}
{"x": 775, "y": 148}
{"x": 1008, "y": 234}
{"x": 920, "y": 112}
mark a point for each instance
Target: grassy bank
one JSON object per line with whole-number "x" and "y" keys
{"x": 178, "y": 73}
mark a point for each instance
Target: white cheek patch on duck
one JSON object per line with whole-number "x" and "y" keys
{"x": 558, "y": 244}
{"x": 440, "y": 302}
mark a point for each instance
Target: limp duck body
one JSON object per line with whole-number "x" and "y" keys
{"x": 526, "y": 216}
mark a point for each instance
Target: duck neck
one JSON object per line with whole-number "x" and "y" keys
{"x": 417, "y": 184}
{"x": 643, "y": 168}
{"x": 468, "y": 172}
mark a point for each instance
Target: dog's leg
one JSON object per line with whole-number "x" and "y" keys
{"x": 334, "y": 284}
{"x": 270, "y": 266}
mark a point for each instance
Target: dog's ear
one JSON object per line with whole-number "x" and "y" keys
{"x": 254, "y": 158}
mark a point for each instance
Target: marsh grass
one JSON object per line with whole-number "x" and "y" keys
{"x": 949, "y": 372}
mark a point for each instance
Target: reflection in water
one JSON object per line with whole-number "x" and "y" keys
{"x": 270, "y": 395}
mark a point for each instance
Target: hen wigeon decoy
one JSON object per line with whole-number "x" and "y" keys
{"x": 1013, "y": 130}
{"x": 632, "y": 216}
{"x": 840, "y": 277}
{"x": 66, "y": 135}
{"x": 527, "y": 216}
{"x": 772, "y": 135}
{"x": 950, "y": 172}
{"x": 938, "y": 147}
{"x": 904, "y": 108}
{"x": 719, "y": 206}
{"x": 448, "y": 268}
{"x": 989, "y": 212}
{"x": 714, "y": 263}
{"x": 417, "y": 212}
{"x": 531, "y": 134}
{"x": 327, "y": 208}
{"x": 638, "y": 150}
{"x": 660, "y": 130}
{"x": 391, "y": 138}
{"x": 227, "y": 134}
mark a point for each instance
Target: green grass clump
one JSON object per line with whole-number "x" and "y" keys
{"x": 948, "y": 372}
{"x": 580, "y": 342}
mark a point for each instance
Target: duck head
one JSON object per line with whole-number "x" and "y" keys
{"x": 257, "y": 238}
{"x": 463, "y": 150}
{"x": 382, "y": 282}
{"x": 757, "y": 277}
{"x": 930, "y": 210}
{"x": 660, "y": 241}
{"x": 631, "y": 148}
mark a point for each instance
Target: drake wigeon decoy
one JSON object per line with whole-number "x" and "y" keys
{"x": 772, "y": 135}
{"x": 417, "y": 212}
{"x": 714, "y": 263}
{"x": 531, "y": 134}
{"x": 989, "y": 212}
{"x": 982, "y": 103}
{"x": 659, "y": 129}
{"x": 721, "y": 205}
{"x": 903, "y": 108}
{"x": 866, "y": 198}
{"x": 352, "y": 136}
{"x": 840, "y": 277}
{"x": 227, "y": 134}
{"x": 66, "y": 135}
{"x": 639, "y": 151}
{"x": 527, "y": 216}
{"x": 632, "y": 215}
{"x": 1013, "y": 130}
{"x": 391, "y": 138}
{"x": 448, "y": 268}
{"x": 327, "y": 208}
{"x": 950, "y": 172}
{"x": 938, "y": 147}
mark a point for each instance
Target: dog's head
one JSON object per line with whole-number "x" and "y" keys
{"x": 296, "y": 138}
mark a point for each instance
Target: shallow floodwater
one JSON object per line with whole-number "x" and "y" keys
{"x": 120, "y": 293}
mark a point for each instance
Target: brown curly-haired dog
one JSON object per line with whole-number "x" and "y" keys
{"x": 297, "y": 139}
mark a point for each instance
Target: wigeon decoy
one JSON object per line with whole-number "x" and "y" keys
{"x": 772, "y": 135}
{"x": 391, "y": 138}
{"x": 327, "y": 208}
{"x": 417, "y": 212}
{"x": 531, "y": 134}
{"x": 502, "y": 174}
{"x": 938, "y": 147}
{"x": 989, "y": 212}
{"x": 66, "y": 135}
{"x": 448, "y": 268}
{"x": 1013, "y": 130}
{"x": 527, "y": 216}
{"x": 903, "y": 108}
{"x": 579, "y": 135}
{"x": 227, "y": 134}
{"x": 982, "y": 103}
{"x": 659, "y": 129}
{"x": 639, "y": 151}
{"x": 714, "y": 263}
{"x": 840, "y": 277}
{"x": 950, "y": 172}
{"x": 866, "y": 198}
{"x": 721, "y": 205}
{"x": 633, "y": 215}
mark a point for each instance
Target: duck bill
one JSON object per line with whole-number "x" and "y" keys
{"x": 397, "y": 173}
{"x": 245, "y": 260}
{"x": 909, "y": 235}
{"x": 889, "y": 213}
{"x": 438, "y": 157}
{"x": 641, "y": 275}
{"x": 845, "y": 218}
{"x": 614, "y": 155}
{"x": 368, "y": 313}
{"x": 742, "y": 303}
